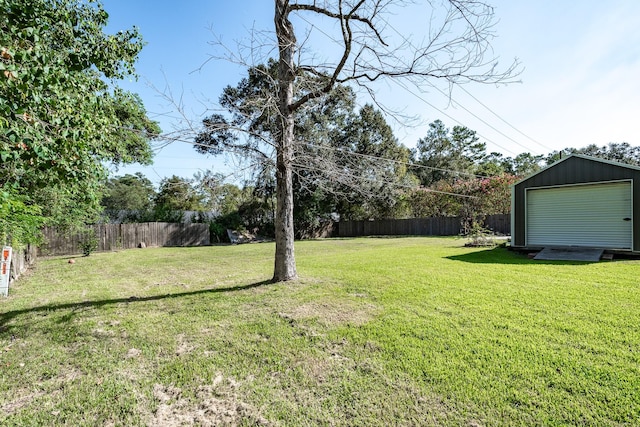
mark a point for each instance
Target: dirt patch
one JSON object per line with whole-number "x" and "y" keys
{"x": 166, "y": 283}
{"x": 214, "y": 405}
{"x": 132, "y": 353}
{"x": 183, "y": 347}
{"x": 106, "y": 329}
{"x": 333, "y": 313}
{"x": 103, "y": 333}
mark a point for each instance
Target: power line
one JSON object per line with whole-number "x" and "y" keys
{"x": 476, "y": 99}
{"x": 309, "y": 167}
{"x": 481, "y": 120}
{"x": 407, "y": 89}
{"x": 402, "y": 85}
{"x": 351, "y": 153}
{"x": 506, "y": 122}
{"x": 412, "y": 165}
{"x": 430, "y": 104}
{"x": 409, "y": 164}
{"x": 397, "y": 185}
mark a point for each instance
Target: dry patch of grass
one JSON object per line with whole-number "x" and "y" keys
{"x": 334, "y": 313}
{"x": 215, "y": 404}
{"x": 23, "y": 398}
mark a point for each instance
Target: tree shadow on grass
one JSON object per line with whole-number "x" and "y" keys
{"x": 501, "y": 255}
{"x": 6, "y": 317}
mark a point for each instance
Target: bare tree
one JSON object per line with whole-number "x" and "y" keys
{"x": 455, "y": 51}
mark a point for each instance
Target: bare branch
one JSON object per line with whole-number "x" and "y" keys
{"x": 341, "y": 16}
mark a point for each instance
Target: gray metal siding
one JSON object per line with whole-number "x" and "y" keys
{"x": 574, "y": 170}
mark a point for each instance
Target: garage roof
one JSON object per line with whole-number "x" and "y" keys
{"x": 581, "y": 156}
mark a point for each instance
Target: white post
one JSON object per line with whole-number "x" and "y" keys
{"x": 5, "y": 270}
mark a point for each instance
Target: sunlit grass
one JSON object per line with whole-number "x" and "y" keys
{"x": 403, "y": 331}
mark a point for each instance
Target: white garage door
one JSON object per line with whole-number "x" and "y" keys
{"x": 595, "y": 215}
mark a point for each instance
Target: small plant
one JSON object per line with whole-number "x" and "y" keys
{"x": 88, "y": 242}
{"x": 219, "y": 226}
{"x": 216, "y": 231}
{"x": 479, "y": 236}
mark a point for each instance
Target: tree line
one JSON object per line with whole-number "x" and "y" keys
{"x": 448, "y": 173}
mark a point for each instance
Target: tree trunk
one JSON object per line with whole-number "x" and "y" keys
{"x": 285, "y": 262}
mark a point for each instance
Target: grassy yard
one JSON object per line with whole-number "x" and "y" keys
{"x": 377, "y": 332}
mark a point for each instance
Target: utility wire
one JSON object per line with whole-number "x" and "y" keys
{"x": 476, "y": 99}
{"x": 307, "y": 166}
{"x": 397, "y": 185}
{"x": 351, "y": 153}
{"x": 549, "y": 149}
{"x": 399, "y": 162}
{"x": 481, "y": 119}
{"x": 402, "y": 85}
{"x": 330, "y": 37}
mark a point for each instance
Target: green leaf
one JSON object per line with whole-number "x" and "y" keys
{"x": 51, "y": 89}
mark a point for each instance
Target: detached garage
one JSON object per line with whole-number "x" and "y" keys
{"x": 578, "y": 201}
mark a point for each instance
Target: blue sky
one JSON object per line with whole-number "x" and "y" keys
{"x": 579, "y": 84}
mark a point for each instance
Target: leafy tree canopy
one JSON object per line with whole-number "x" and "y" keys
{"x": 343, "y": 159}
{"x": 128, "y": 195}
{"x": 446, "y": 153}
{"x": 618, "y": 152}
{"x": 178, "y": 194}
{"x": 62, "y": 117}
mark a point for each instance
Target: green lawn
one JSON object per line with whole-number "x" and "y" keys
{"x": 389, "y": 331}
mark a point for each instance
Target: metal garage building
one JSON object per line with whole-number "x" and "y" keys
{"x": 578, "y": 201}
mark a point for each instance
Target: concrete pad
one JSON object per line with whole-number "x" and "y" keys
{"x": 569, "y": 254}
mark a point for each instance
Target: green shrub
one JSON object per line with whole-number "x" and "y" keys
{"x": 88, "y": 242}
{"x": 218, "y": 227}
{"x": 479, "y": 236}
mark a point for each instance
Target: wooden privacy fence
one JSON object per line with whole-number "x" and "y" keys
{"x": 436, "y": 226}
{"x": 126, "y": 236}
